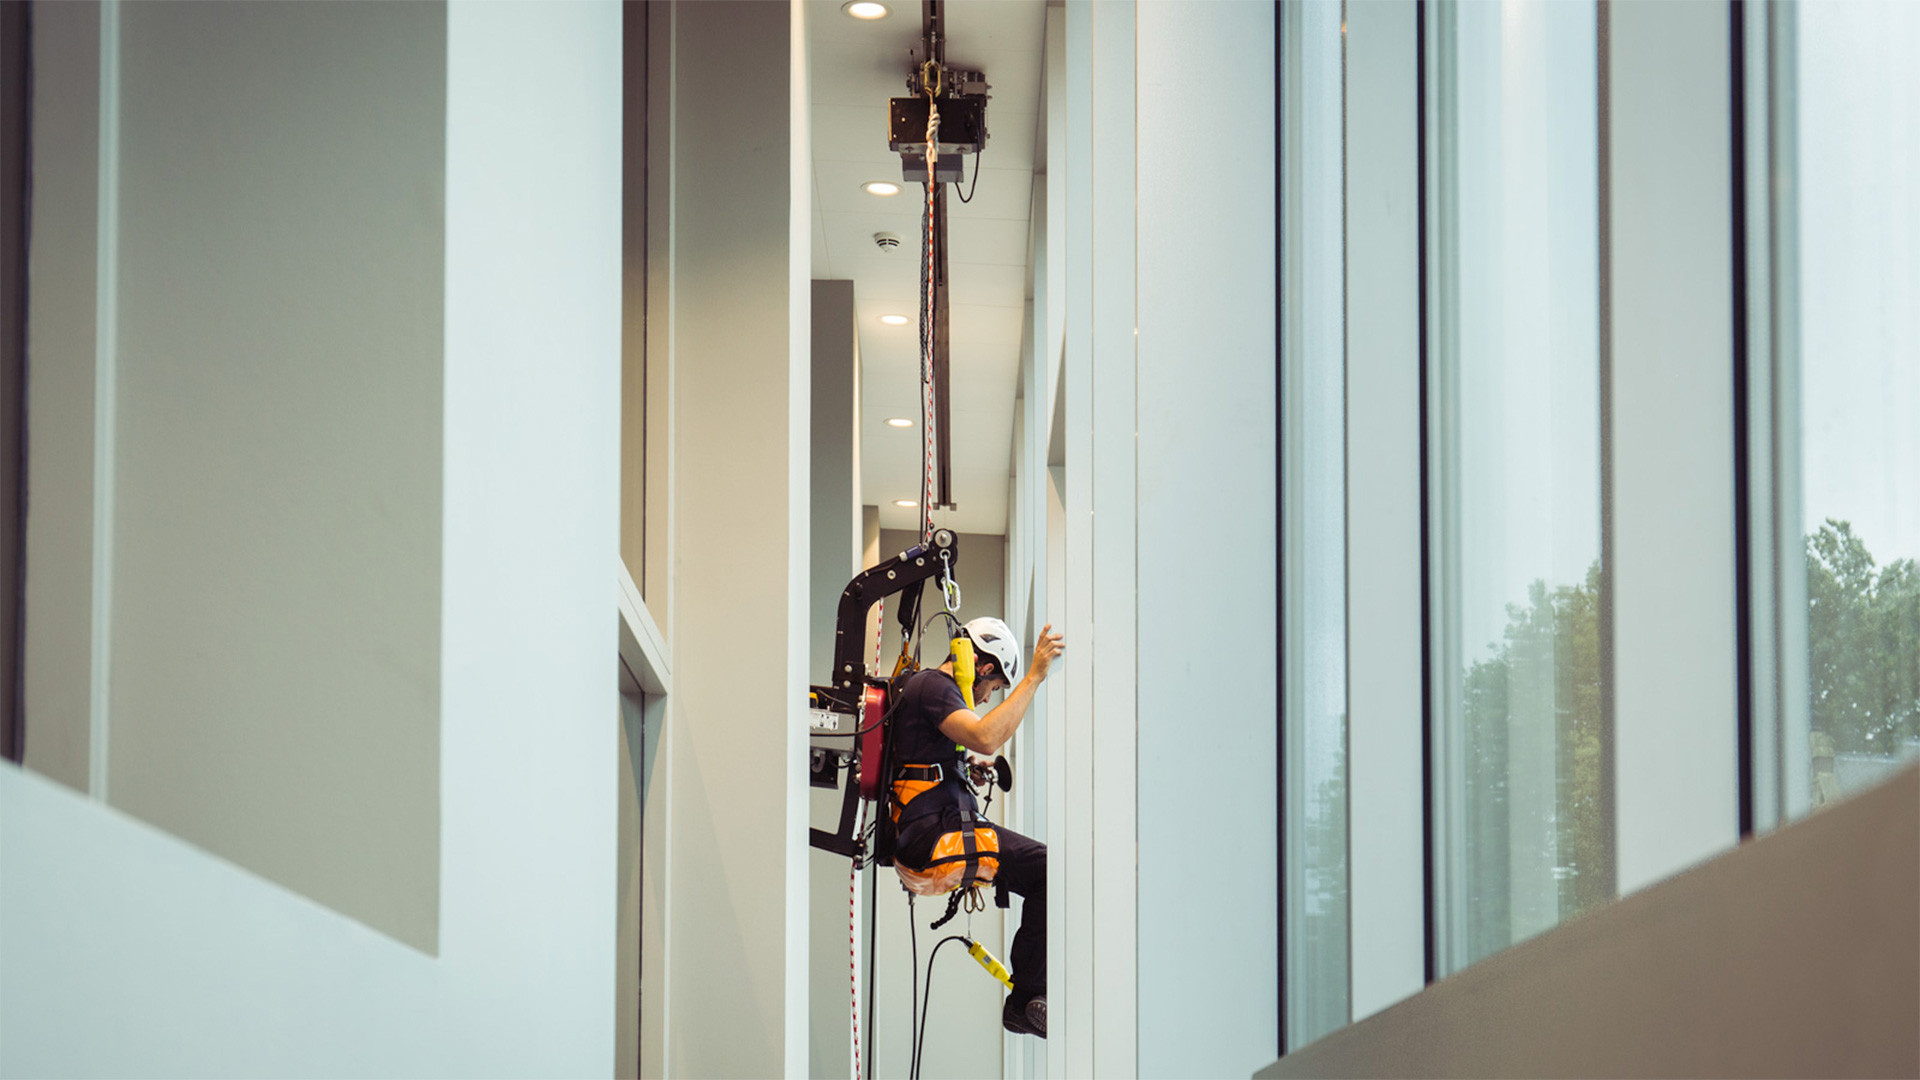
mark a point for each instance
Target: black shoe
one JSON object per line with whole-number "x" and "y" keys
{"x": 1017, "y": 1017}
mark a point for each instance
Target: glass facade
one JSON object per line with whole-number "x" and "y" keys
{"x": 1313, "y": 524}
{"x": 1856, "y": 160}
{"x": 1551, "y": 169}
{"x": 1523, "y": 836}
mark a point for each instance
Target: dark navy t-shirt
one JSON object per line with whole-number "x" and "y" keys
{"x": 928, "y": 698}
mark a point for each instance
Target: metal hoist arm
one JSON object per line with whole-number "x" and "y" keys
{"x": 854, "y": 694}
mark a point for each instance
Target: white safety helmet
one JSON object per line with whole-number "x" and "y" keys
{"x": 995, "y": 639}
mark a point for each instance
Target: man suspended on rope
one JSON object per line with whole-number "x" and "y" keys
{"x": 938, "y": 821}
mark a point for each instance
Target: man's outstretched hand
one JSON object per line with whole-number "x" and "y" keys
{"x": 1050, "y": 646}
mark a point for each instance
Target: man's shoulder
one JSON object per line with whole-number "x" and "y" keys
{"x": 929, "y": 686}
{"x": 929, "y": 677}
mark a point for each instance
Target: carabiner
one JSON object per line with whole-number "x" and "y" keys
{"x": 949, "y": 588}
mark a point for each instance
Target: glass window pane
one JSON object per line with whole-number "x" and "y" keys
{"x": 1523, "y": 834}
{"x": 1858, "y": 165}
{"x": 1313, "y": 521}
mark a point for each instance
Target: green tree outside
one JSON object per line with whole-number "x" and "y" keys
{"x": 1545, "y": 671}
{"x": 1864, "y": 629}
{"x": 1863, "y": 625}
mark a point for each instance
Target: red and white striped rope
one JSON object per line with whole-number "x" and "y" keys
{"x": 853, "y": 953}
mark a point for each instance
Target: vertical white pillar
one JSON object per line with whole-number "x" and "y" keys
{"x": 1110, "y": 641}
{"x": 835, "y": 523}
{"x": 1669, "y": 437}
{"x": 1205, "y": 510}
{"x": 834, "y": 512}
{"x": 740, "y": 309}
{"x": 1071, "y": 978}
{"x": 1384, "y": 816}
{"x": 57, "y": 671}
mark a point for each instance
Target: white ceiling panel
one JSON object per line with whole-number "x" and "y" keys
{"x": 853, "y": 133}
{"x": 1002, "y": 193}
{"x": 988, "y": 283}
{"x": 1000, "y": 241}
{"x": 840, "y": 193}
{"x": 1009, "y": 135}
{"x": 986, "y": 31}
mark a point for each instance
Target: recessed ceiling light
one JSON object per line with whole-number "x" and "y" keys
{"x": 880, "y": 187}
{"x": 865, "y": 9}
{"x": 907, "y": 503}
{"x": 899, "y": 421}
{"x": 895, "y": 320}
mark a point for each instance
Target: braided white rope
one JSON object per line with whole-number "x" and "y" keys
{"x": 927, "y": 330}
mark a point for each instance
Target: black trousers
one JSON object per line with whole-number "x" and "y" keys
{"x": 1023, "y": 867}
{"x": 1023, "y": 870}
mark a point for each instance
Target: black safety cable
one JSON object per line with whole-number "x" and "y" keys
{"x": 920, "y": 1040}
{"x": 975, "y": 186}
{"x": 913, "y": 996}
{"x": 873, "y": 913}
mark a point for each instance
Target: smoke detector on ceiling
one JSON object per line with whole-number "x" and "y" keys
{"x": 886, "y": 241}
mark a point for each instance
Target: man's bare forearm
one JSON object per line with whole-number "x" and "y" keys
{"x": 1004, "y": 719}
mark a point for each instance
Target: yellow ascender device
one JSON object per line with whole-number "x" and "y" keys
{"x": 994, "y": 968}
{"x": 963, "y": 666}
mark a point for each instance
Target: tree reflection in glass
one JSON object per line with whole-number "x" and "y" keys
{"x": 1522, "y": 829}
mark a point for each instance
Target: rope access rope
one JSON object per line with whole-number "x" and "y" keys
{"x": 949, "y": 588}
{"x": 853, "y": 937}
{"x": 927, "y": 287}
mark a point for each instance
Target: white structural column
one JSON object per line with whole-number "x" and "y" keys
{"x": 1111, "y": 640}
{"x": 1070, "y": 939}
{"x": 1384, "y": 818}
{"x": 834, "y": 511}
{"x": 1669, "y": 436}
{"x": 1206, "y": 515}
{"x": 737, "y": 979}
{"x": 57, "y": 671}
{"x": 835, "y": 523}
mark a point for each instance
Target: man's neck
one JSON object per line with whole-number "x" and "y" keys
{"x": 946, "y": 667}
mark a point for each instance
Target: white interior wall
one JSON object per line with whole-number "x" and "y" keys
{"x": 128, "y": 952}
{"x": 271, "y": 562}
{"x": 227, "y": 381}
